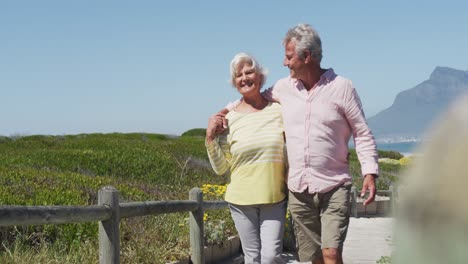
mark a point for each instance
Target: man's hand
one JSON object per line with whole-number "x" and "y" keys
{"x": 368, "y": 184}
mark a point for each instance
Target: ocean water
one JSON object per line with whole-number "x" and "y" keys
{"x": 405, "y": 148}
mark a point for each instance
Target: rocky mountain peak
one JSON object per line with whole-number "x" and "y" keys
{"x": 446, "y": 72}
{"x": 414, "y": 109}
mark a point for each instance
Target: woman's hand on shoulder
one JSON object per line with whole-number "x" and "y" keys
{"x": 217, "y": 124}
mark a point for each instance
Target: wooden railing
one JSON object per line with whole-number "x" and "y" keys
{"x": 109, "y": 211}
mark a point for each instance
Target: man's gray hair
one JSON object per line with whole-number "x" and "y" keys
{"x": 243, "y": 58}
{"x": 306, "y": 38}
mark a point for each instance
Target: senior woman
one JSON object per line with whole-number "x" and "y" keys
{"x": 252, "y": 150}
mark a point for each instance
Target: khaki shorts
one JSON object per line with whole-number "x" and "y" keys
{"x": 320, "y": 220}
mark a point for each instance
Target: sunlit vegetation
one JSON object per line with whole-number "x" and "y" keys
{"x": 69, "y": 170}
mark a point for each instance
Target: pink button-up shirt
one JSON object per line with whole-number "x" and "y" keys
{"x": 318, "y": 125}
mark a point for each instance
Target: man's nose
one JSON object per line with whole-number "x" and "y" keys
{"x": 285, "y": 62}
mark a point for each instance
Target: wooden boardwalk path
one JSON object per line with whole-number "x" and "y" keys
{"x": 368, "y": 239}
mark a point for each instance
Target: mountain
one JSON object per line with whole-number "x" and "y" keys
{"x": 415, "y": 109}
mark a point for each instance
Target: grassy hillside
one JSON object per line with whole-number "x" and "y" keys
{"x": 69, "y": 170}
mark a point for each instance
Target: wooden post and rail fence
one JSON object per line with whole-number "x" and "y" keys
{"x": 109, "y": 211}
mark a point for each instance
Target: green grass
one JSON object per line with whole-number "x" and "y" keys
{"x": 384, "y": 260}
{"x": 388, "y": 172}
{"x": 69, "y": 170}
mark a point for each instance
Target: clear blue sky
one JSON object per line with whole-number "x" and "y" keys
{"x": 69, "y": 67}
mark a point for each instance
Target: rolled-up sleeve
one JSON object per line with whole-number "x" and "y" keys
{"x": 219, "y": 155}
{"x": 364, "y": 141}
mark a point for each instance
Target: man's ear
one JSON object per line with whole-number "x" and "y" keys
{"x": 308, "y": 57}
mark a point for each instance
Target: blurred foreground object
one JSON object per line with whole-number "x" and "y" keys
{"x": 432, "y": 225}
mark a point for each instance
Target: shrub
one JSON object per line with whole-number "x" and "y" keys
{"x": 405, "y": 161}
{"x": 4, "y": 139}
{"x": 384, "y": 260}
{"x": 196, "y": 132}
{"x": 390, "y": 154}
{"x": 388, "y": 166}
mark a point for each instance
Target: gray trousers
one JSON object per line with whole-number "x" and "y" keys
{"x": 260, "y": 229}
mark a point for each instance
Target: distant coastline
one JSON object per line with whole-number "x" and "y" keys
{"x": 405, "y": 148}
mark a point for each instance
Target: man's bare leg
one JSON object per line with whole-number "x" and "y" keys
{"x": 332, "y": 256}
{"x": 318, "y": 261}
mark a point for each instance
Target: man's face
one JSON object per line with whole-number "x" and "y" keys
{"x": 295, "y": 64}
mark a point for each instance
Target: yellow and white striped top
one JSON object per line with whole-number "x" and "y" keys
{"x": 252, "y": 149}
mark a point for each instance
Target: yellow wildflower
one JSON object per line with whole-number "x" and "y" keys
{"x": 405, "y": 161}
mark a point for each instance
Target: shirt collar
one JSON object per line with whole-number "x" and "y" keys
{"x": 328, "y": 76}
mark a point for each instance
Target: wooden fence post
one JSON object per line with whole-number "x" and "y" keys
{"x": 109, "y": 234}
{"x": 354, "y": 206}
{"x": 196, "y": 228}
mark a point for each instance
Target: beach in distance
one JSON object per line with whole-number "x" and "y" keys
{"x": 405, "y": 148}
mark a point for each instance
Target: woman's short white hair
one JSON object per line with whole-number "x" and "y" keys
{"x": 306, "y": 38}
{"x": 241, "y": 59}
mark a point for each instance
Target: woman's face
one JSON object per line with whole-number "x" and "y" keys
{"x": 247, "y": 80}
